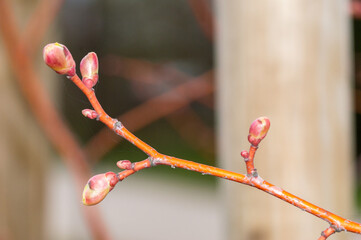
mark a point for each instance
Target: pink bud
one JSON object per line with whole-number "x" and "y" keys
{"x": 58, "y": 58}
{"x": 124, "y": 164}
{"x": 89, "y": 69}
{"x": 258, "y": 130}
{"x": 245, "y": 154}
{"x": 98, "y": 187}
{"x": 89, "y": 113}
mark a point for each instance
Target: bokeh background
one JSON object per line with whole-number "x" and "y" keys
{"x": 187, "y": 77}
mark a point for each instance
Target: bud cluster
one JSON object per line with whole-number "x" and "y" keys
{"x": 58, "y": 57}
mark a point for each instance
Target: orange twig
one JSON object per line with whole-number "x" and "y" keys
{"x": 328, "y": 232}
{"x": 165, "y": 104}
{"x": 48, "y": 118}
{"x": 160, "y": 159}
{"x": 156, "y": 158}
{"x": 148, "y": 73}
{"x": 251, "y": 171}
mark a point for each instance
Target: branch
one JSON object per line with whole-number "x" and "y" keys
{"x": 100, "y": 185}
{"x": 328, "y": 232}
{"x": 182, "y": 95}
{"x": 146, "y": 76}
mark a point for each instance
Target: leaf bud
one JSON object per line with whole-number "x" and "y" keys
{"x": 258, "y": 130}
{"x": 89, "y": 69}
{"x": 59, "y": 58}
{"x": 245, "y": 154}
{"x": 98, "y": 187}
{"x": 89, "y": 113}
{"x": 125, "y": 164}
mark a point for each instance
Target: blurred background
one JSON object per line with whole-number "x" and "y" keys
{"x": 188, "y": 77}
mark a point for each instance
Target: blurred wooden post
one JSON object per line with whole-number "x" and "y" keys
{"x": 288, "y": 60}
{"x": 23, "y": 152}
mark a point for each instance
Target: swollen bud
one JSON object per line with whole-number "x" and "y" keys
{"x": 98, "y": 187}
{"x": 124, "y": 164}
{"x": 258, "y": 130}
{"x": 89, "y": 69}
{"x": 245, "y": 154}
{"x": 89, "y": 113}
{"x": 59, "y": 58}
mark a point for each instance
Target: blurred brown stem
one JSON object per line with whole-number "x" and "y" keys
{"x": 44, "y": 111}
{"x": 203, "y": 14}
{"x": 147, "y": 72}
{"x": 162, "y": 75}
{"x": 39, "y": 23}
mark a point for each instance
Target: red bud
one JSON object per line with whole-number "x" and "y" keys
{"x": 89, "y": 113}
{"x": 89, "y": 69}
{"x": 98, "y": 187}
{"x": 124, "y": 164}
{"x": 258, "y": 130}
{"x": 245, "y": 154}
{"x": 58, "y": 58}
